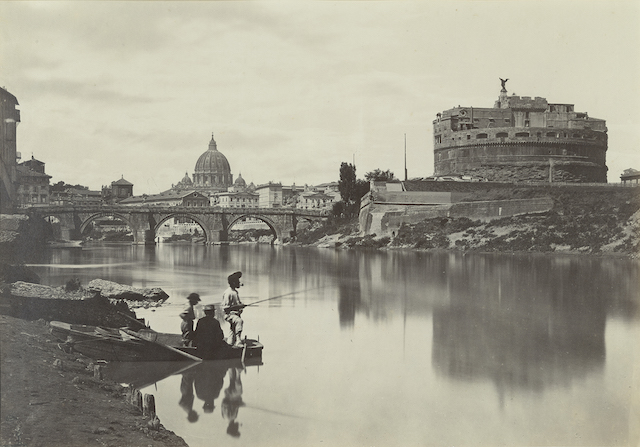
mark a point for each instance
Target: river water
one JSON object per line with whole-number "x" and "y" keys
{"x": 394, "y": 348}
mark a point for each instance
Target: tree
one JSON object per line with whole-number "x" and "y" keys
{"x": 379, "y": 176}
{"x": 351, "y": 189}
{"x": 347, "y": 183}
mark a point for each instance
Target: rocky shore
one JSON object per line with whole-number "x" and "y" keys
{"x": 51, "y": 398}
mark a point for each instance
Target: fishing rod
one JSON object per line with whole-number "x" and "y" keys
{"x": 242, "y": 306}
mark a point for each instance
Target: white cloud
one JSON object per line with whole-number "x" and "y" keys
{"x": 293, "y": 89}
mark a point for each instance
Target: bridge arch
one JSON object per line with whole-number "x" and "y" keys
{"x": 92, "y": 218}
{"x": 197, "y": 219}
{"x": 275, "y": 228}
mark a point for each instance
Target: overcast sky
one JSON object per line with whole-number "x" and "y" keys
{"x": 292, "y": 89}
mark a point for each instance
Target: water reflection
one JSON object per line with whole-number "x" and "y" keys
{"x": 401, "y": 348}
{"x": 205, "y": 381}
{"x": 142, "y": 374}
{"x": 523, "y": 322}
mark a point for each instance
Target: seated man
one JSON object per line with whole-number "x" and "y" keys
{"x": 188, "y": 316}
{"x": 208, "y": 336}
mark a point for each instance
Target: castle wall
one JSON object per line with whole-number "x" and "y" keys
{"x": 521, "y": 139}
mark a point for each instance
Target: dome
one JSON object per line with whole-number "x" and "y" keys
{"x": 186, "y": 180}
{"x": 240, "y": 182}
{"x": 212, "y": 169}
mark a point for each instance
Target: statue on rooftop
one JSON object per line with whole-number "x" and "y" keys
{"x": 503, "y": 81}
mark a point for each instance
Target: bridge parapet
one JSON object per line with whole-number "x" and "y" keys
{"x": 53, "y": 209}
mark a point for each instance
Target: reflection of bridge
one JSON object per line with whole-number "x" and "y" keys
{"x": 145, "y": 221}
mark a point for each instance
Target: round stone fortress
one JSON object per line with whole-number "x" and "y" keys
{"x": 520, "y": 140}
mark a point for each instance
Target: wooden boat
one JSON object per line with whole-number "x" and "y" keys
{"x": 120, "y": 345}
{"x": 250, "y": 350}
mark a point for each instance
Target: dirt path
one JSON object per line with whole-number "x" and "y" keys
{"x": 43, "y": 404}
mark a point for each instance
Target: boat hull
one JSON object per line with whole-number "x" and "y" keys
{"x": 117, "y": 345}
{"x": 252, "y": 349}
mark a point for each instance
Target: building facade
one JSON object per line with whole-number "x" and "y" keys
{"x": 9, "y": 119}
{"x": 168, "y": 198}
{"x": 630, "y": 177}
{"x": 117, "y": 191}
{"x": 521, "y": 139}
{"x": 75, "y": 196}
{"x": 32, "y": 183}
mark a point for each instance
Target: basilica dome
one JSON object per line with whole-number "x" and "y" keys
{"x": 212, "y": 169}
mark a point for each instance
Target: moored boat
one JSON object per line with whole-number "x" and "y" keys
{"x": 250, "y": 349}
{"x": 120, "y": 345}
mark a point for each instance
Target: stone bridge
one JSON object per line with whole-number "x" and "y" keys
{"x": 145, "y": 221}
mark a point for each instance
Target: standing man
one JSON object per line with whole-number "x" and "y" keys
{"x": 233, "y": 308}
{"x": 188, "y": 316}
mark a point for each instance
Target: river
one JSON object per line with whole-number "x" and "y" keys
{"x": 371, "y": 348}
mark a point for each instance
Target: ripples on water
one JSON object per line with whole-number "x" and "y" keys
{"x": 393, "y": 348}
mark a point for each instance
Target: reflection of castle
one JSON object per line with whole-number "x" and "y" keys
{"x": 516, "y": 336}
{"x": 521, "y": 139}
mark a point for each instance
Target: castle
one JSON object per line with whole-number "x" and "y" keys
{"x": 520, "y": 139}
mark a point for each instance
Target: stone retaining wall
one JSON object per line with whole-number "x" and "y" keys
{"x": 383, "y": 218}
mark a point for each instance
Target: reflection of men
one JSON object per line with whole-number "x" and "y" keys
{"x": 233, "y": 308}
{"x": 186, "y": 401}
{"x": 208, "y": 383}
{"x": 188, "y": 316}
{"x": 208, "y": 336}
{"x": 233, "y": 401}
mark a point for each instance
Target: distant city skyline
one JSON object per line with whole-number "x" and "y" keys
{"x": 292, "y": 90}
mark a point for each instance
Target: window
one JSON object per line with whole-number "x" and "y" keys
{"x": 502, "y": 135}
{"x": 551, "y": 134}
{"x": 522, "y": 134}
{"x": 481, "y": 136}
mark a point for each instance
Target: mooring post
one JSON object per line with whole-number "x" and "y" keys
{"x": 136, "y": 399}
{"x": 97, "y": 372}
{"x": 149, "y": 406}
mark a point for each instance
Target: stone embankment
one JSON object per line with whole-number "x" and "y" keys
{"x": 582, "y": 220}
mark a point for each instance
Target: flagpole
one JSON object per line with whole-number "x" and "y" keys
{"x": 405, "y": 157}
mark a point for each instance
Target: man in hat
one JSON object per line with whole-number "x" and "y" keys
{"x": 188, "y": 316}
{"x": 208, "y": 336}
{"x": 233, "y": 308}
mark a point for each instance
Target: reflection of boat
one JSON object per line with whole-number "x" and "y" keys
{"x": 143, "y": 374}
{"x": 252, "y": 349}
{"x": 120, "y": 345}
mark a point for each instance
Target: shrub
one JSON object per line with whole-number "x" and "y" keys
{"x": 73, "y": 285}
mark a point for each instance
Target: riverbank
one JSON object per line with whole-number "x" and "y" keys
{"x": 51, "y": 398}
{"x": 597, "y": 221}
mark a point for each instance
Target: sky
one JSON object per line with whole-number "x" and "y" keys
{"x": 134, "y": 90}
